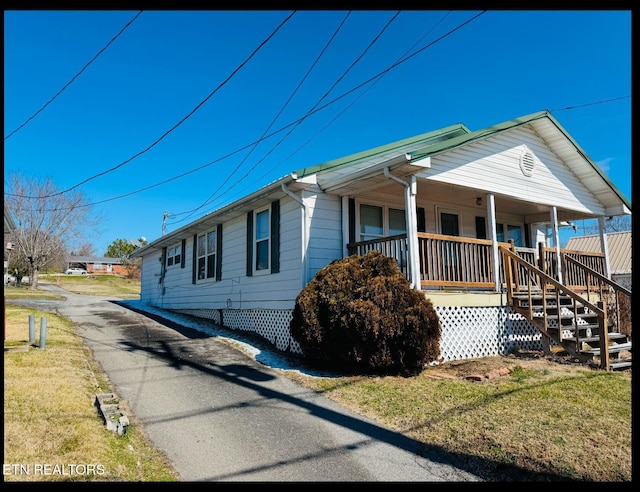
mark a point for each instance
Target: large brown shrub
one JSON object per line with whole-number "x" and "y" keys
{"x": 361, "y": 315}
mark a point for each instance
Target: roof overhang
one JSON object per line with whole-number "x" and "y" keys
{"x": 561, "y": 143}
{"x": 262, "y": 197}
{"x": 369, "y": 173}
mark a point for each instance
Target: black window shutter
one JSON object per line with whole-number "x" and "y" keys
{"x": 352, "y": 220}
{"x": 194, "y": 261}
{"x": 249, "y": 244}
{"x": 219, "y": 252}
{"x": 481, "y": 228}
{"x": 183, "y": 258}
{"x": 275, "y": 236}
{"x": 163, "y": 267}
{"x": 422, "y": 219}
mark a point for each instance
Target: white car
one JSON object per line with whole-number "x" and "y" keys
{"x": 75, "y": 271}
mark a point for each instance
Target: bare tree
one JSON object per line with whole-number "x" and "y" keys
{"x": 619, "y": 223}
{"x": 46, "y": 221}
{"x": 84, "y": 249}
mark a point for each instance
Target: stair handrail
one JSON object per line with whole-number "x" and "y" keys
{"x": 617, "y": 288}
{"x": 601, "y": 312}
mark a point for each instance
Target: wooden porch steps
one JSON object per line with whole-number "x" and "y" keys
{"x": 570, "y": 325}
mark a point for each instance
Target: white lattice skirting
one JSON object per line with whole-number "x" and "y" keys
{"x": 467, "y": 332}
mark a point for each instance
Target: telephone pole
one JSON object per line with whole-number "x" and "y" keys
{"x": 164, "y": 222}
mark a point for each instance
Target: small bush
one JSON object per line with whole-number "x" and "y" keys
{"x": 361, "y": 315}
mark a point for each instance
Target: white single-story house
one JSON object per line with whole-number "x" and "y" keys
{"x": 441, "y": 203}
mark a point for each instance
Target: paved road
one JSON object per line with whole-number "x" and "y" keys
{"x": 221, "y": 416}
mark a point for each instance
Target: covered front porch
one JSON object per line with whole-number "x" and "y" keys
{"x": 468, "y": 264}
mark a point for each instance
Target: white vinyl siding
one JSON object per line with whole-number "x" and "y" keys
{"x": 493, "y": 164}
{"x": 325, "y": 231}
{"x": 235, "y": 290}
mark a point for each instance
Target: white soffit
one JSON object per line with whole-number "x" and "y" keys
{"x": 370, "y": 171}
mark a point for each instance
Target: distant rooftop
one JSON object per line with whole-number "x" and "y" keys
{"x": 618, "y": 244}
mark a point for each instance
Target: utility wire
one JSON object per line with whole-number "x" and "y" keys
{"x": 326, "y": 126}
{"x": 237, "y": 151}
{"x": 254, "y": 146}
{"x": 198, "y": 106}
{"x": 325, "y": 95}
{"x": 74, "y": 77}
{"x": 590, "y": 104}
{"x": 391, "y": 67}
{"x": 360, "y": 96}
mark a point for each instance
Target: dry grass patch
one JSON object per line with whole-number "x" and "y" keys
{"x": 52, "y": 431}
{"x": 98, "y": 285}
{"x": 542, "y": 419}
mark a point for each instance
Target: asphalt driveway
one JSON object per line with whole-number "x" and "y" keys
{"x": 219, "y": 415}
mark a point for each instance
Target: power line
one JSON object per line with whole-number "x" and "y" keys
{"x": 590, "y": 104}
{"x": 198, "y": 106}
{"x": 373, "y": 78}
{"x": 310, "y": 113}
{"x": 74, "y": 77}
{"x": 230, "y": 154}
{"x": 254, "y": 146}
{"x": 355, "y": 100}
{"x": 300, "y": 121}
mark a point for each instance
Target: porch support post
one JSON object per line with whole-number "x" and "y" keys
{"x": 491, "y": 214}
{"x": 413, "y": 263}
{"x": 604, "y": 246}
{"x": 412, "y": 234}
{"x": 555, "y": 234}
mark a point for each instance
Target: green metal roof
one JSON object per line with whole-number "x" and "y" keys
{"x": 508, "y": 125}
{"x": 429, "y": 138}
{"x": 448, "y": 138}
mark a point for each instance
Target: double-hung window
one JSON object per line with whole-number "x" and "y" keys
{"x": 263, "y": 240}
{"x": 174, "y": 255}
{"x": 262, "y": 237}
{"x": 206, "y": 253}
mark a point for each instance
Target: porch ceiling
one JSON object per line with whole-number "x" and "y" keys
{"x": 459, "y": 196}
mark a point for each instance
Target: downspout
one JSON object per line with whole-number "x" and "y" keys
{"x": 295, "y": 197}
{"x": 410, "y": 191}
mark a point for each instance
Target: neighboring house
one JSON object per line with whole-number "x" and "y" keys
{"x": 441, "y": 203}
{"x": 97, "y": 264}
{"x": 618, "y": 249}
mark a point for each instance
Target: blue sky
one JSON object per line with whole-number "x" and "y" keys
{"x": 163, "y": 115}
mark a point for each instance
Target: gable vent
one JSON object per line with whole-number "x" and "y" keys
{"x": 527, "y": 162}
